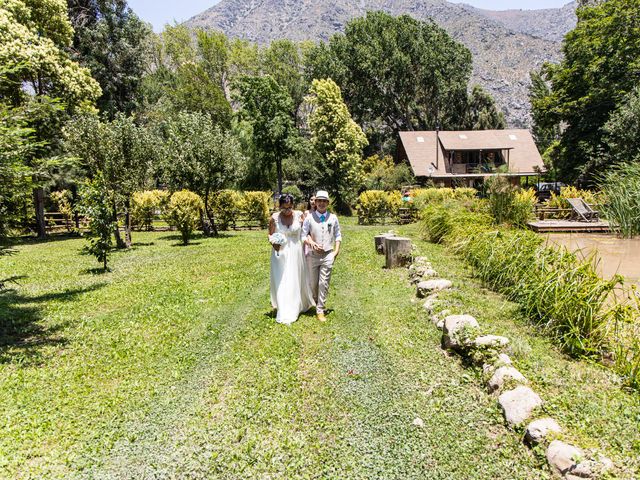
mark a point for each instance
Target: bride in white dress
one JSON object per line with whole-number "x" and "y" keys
{"x": 290, "y": 291}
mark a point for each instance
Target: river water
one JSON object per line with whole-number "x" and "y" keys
{"x": 616, "y": 255}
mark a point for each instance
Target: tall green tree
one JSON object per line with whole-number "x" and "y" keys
{"x": 112, "y": 41}
{"x": 284, "y": 61}
{"x": 42, "y": 78}
{"x": 622, "y": 128}
{"x": 201, "y": 157}
{"x": 338, "y": 139}
{"x": 482, "y": 112}
{"x": 601, "y": 66}
{"x": 398, "y": 72}
{"x": 267, "y": 108}
{"x": 121, "y": 152}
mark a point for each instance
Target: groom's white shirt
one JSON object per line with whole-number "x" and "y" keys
{"x": 324, "y": 233}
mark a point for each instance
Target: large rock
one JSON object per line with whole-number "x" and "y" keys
{"x": 491, "y": 341}
{"x": 430, "y": 286}
{"x": 453, "y": 329}
{"x": 502, "y": 361}
{"x": 540, "y": 429}
{"x": 430, "y": 303}
{"x": 502, "y": 375}
{"x": 518, "y": 404}
{"x": 563, "y": 458}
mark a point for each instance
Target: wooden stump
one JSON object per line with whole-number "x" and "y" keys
{"x": 379, "y": 241}
{"x": 397, "y": 251}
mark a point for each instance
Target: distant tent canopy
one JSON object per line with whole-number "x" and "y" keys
{"x": 470, "y": 155}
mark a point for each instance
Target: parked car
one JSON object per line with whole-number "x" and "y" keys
{"x": 545, "y": 189}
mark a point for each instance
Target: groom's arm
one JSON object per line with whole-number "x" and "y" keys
{"x": 338, "y": 239}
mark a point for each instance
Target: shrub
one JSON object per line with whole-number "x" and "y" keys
{"x": 510, "y": 204}
{"x": 423, "y": 197}
{"x": 255, "y": 206}
{"x": 621, "y": 186}
{"x": 95, "y": 204}
{"x": 560, "y": 201}
{"x": 183, "y": 212}
{"x": 146, "y": 205}
{"x": 524, "y": 202}
{"x": 62, "y": 200}
{"x": 373, "y": 205}
{"x": 226, "y": 206}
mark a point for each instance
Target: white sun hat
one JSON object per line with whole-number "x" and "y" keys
{"x": 322, "y": 195}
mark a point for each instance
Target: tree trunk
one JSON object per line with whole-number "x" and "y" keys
{"x": 74, "y": 202}
{"x": 127, "y": 225}
{"x": 116, "y": 229}
{"x": 379, "y": 241}
{"x": 38, "y": 201}
{"x": 397, "y": 251}
{"x": 279, "y": 168}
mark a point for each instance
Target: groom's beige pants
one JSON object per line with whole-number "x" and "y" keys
{"x": 319, "y": 269}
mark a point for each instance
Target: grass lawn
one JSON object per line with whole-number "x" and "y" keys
{"x": 172, "y": 366}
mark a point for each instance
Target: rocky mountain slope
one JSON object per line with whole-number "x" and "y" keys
{"x": 505, "y": 46}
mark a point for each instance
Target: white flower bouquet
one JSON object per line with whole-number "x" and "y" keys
{"x": 277, "y": 239}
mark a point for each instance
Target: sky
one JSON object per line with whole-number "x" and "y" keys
{"x": 161, "y": 12}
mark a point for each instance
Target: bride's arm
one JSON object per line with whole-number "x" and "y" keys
{"x": 272, "y": 230}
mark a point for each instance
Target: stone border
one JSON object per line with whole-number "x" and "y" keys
{"x": 518, "y": 402}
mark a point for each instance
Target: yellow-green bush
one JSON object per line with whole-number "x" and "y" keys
{"x": 560, "y": 201}
{"x": 255, "y": 207}
{"x": 375, "y": 204}
{"x": 422, "y": 197}
{"x": 145, "y": 205}
{"x": 183, "y": 212}
{"x": 226, "y": 206}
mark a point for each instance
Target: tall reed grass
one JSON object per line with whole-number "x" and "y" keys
{"x": 558, "y": 291}
{"x": 621, "y": 185}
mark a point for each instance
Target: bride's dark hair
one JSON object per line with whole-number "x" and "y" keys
{"x": 286, "y": 198}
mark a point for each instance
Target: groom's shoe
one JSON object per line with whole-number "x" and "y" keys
{"x": 320, "y": 316}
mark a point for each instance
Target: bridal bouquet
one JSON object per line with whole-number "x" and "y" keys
{"x": 277, "y": 239}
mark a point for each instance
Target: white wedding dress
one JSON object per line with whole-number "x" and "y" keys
{"x": 290, "y": 290}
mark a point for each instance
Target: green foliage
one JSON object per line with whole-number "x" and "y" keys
{"x": 508, "y": 203}
{"x": 201, "y": 157}
{"x": 34, "y": 38}
{"x": 16, "y": 142}
{"x": 423, "y": 197}
{"x": 95, "y": 204}
{"x": 482, "y": 112}
{"x": 399, "y": 73}
{"x": 621, "y": 187}
{"x": 113, "y": 43}
{"x": 381, "y": 173}
{"x": 267, "y": 107}
{"x": 600, "y": 65}
{"x": 376, "y": 205}
{"x": 226, "y": 206}
{"x": 558, "y": 291}
{"x": 560, "y": 201}
{"x": 145, "y": 205}
{"x": 338, "y": 139}
{"x": 283, "y": 60}
{"x": 63, "y": 202}
{"x": 255, "y": 206}
{"x": 293, "y": 190}
{"x": 183, "y": 212}
{"x": 621, "y": 130}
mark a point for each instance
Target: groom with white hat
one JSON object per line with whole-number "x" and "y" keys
{"x": 321, "y": 232}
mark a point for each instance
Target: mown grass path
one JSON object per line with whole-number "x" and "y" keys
{"x": 171, "y": 366}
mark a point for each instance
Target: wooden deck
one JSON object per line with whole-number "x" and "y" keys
{"x": 546, "y": 226}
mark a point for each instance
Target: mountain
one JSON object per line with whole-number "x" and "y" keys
{"x": 506, "y": 46}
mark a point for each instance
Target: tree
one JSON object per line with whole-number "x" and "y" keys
{"x": 380, "y": 173}
{"x": 401, "y": 72}
{"x": 338, "y": 139}
{"x": 114, "y": 44}
{"x": 119, "y": 151}
{"x": 283, "y": 60}
{"x": 545, "y": 130}
{"x": 201, "y": 157}
{"x": 95, "y": 201}
{"x": 482, "y": 112}
{"x": 188, "y": 76}
{"x": 267, "y": 107}
{"x": 39, "y": 73}
{"x": 621, "y": 130}
{"x": 16, "y": 142}
{"x": 601, "y": 65}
